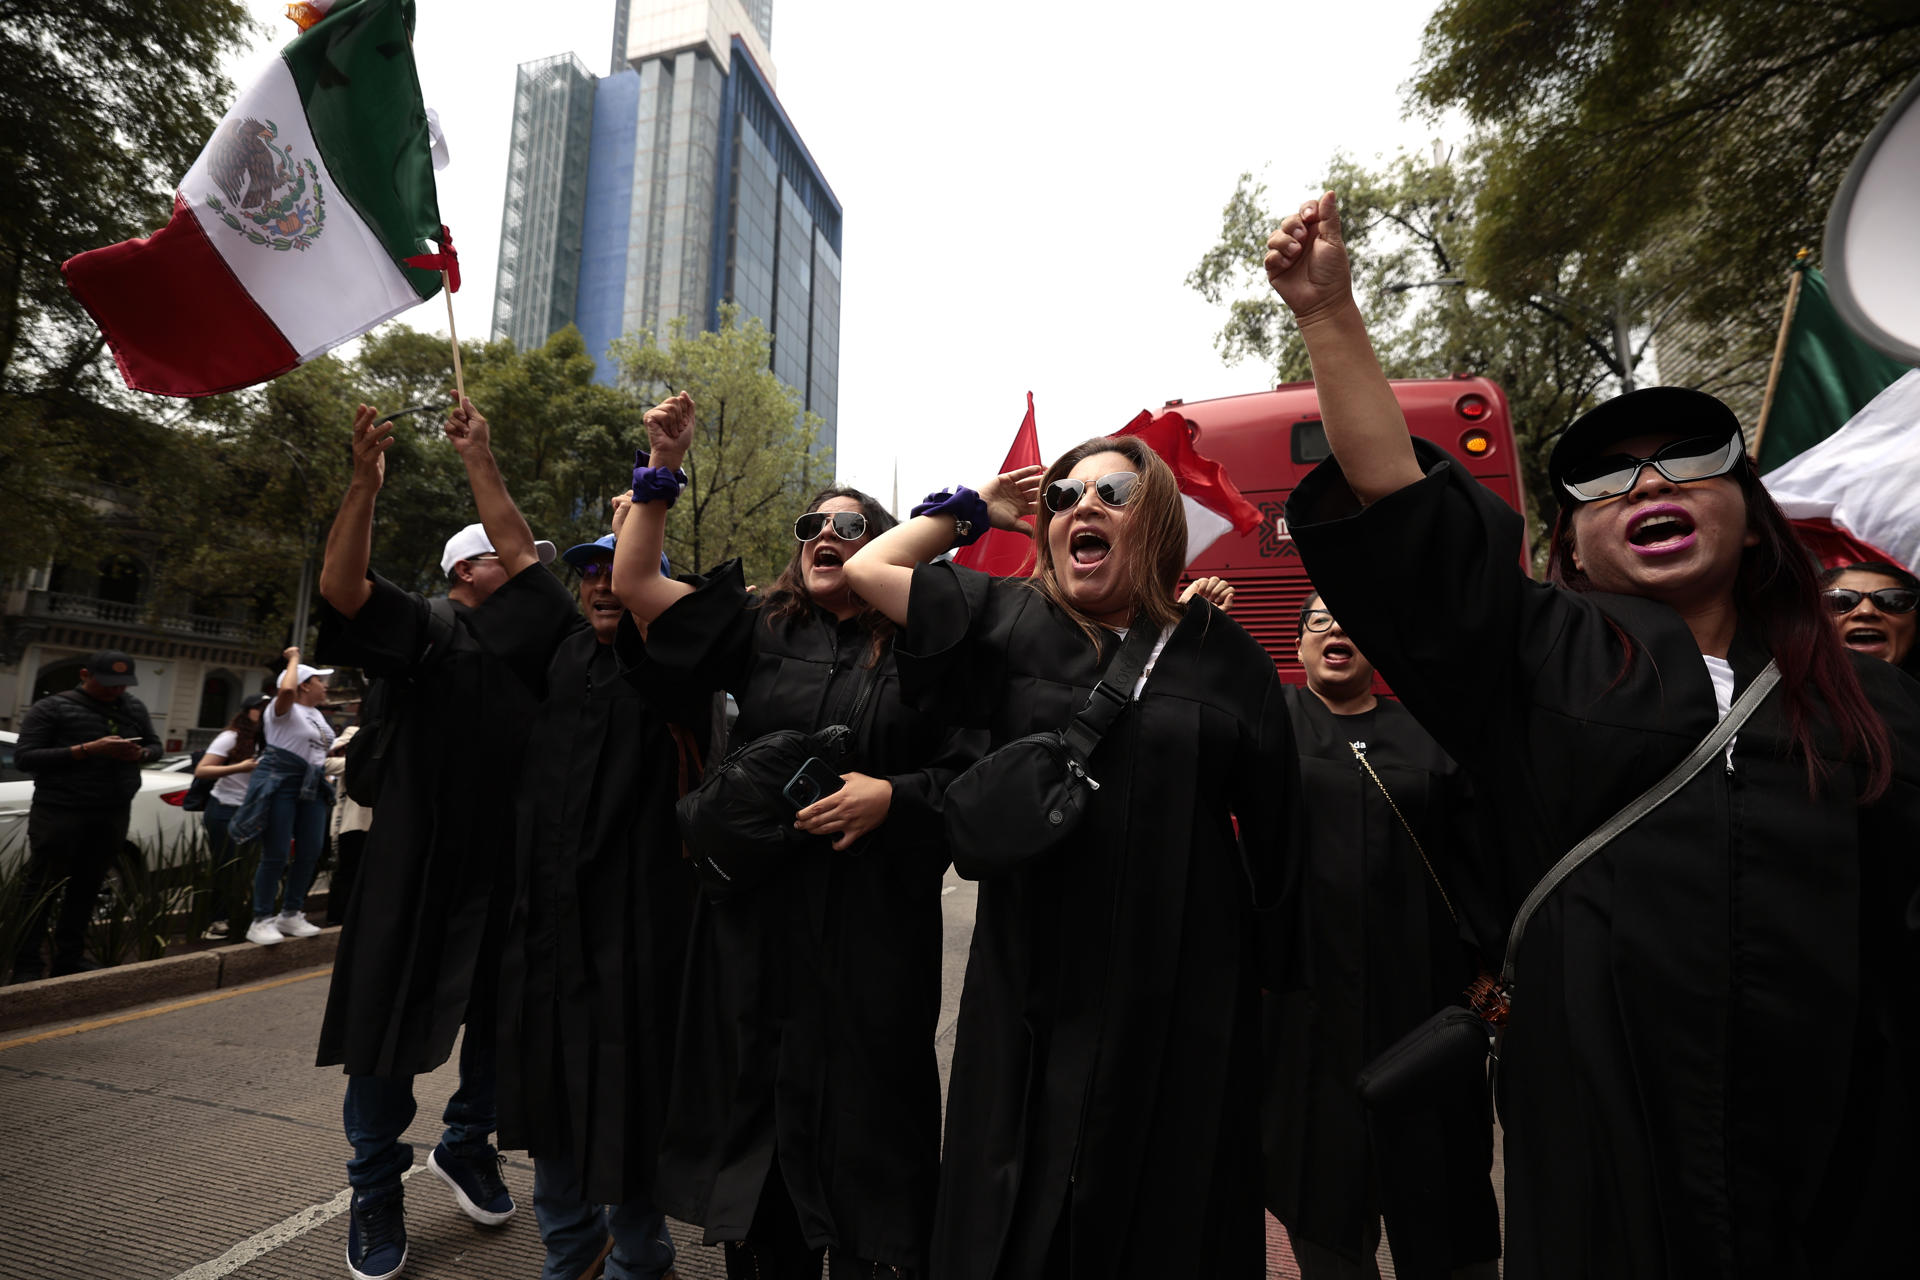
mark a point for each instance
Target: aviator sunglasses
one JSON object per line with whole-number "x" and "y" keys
{"x": 1695, "y": 458}
{"x": 848, "y": 526}
{"x": 1114, "y": 488}
{"x": 1886, "y": 599}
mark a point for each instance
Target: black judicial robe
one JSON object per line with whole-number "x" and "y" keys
{"x": 1712, "y": 1019}
{"x": 437, "y": 871}
{"x": 1386, "y": 953}
{"x": 1106, "y": 1075}
{"x": 805, "y": 1046}
{"x": 596, "y": 940}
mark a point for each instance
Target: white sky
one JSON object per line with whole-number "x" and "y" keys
{"x": 1026, "y": 185}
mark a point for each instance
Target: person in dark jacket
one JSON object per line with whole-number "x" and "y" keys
{"x": 1709, "y": 1058}
{"x": 84, "y": 748}
{"x": 419, "y": 953}
{"x": 596, "y": 943}
{"x": 1389, "y": 835}
{"x": 806, "y": 1099}
{"x": 1103, "y": 1108}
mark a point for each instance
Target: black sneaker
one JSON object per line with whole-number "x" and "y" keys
{"x": 474, "y": 1176}
{"x": 377, "y": 1237}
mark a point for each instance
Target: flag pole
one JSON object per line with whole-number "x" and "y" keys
{"x": 1780, "y": 348}
{"x": 459, "y": 378}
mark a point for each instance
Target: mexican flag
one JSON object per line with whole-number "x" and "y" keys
{"x": 1000, "y": 553}
{"x": 1826, "y": 376}
{"x": 1851, "y": 497}
{"x": 290, "y": 233}
{"x": 1212, "y": 502}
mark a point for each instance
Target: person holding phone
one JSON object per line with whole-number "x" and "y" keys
{"x": 806, "y": 1100}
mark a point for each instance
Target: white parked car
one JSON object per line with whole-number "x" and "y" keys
{"x": 157, "y": 822}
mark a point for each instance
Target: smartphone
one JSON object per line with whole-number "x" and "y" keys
{"x": 810, "y": 782}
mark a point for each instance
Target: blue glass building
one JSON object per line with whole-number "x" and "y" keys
{"x": 666, "y": 188}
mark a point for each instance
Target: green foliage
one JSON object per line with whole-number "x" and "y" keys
{"x": 753, "y": 465}
{"x": 1674, "y": 155}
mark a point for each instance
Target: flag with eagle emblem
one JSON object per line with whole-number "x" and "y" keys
{"x": 290, "y": 234}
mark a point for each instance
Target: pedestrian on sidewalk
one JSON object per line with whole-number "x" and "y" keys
{"x": 287, "y": 800}
{"x": 596, "y": 944}
{"x": 805, "y": 1115}
{"x": 84, "y": 748}
{"x": 419, "y": 952}
{"x": 229, "y": 760}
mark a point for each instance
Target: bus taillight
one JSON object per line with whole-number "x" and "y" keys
{"x": 1476, "y": 443}
{"x": 1471, "y": 407}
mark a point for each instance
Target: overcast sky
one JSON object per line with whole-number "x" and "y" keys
{"x": 1026, "y": 185}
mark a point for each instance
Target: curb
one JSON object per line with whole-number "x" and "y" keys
{"x": 81, "y": 995}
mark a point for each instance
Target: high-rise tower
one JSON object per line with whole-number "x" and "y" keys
{"x": 666, "y": 188}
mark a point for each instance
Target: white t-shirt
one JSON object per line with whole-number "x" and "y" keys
{"x": 1152, "y": 658}
{"x": 1721, "y": 672}
{"x": 228, "y": 788}
{"x": 303, "y": 731}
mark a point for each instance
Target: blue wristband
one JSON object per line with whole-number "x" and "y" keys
{"x": 970, "y": 522}
{"x": 656, "y": 484}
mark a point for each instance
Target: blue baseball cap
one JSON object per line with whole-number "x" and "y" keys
{"x": 588, "y": 552}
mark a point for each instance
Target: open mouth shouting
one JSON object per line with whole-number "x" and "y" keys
{"x": 1870, "y": 640}
{"x": 1337, "y": 654}
{"x": 1661, "y": 530}
{"x": 1088, "y": 549}
{"x": 827, "y": 557}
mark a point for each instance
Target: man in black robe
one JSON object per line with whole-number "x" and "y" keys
{"x": 596, "y": 943}
{"x": 419, "y": 952}
{"x": 1389, "y": 835}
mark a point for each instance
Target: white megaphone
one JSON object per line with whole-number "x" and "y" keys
{"x": 1872, "y": 246}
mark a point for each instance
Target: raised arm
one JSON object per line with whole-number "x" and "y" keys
{"x": 881, "y": 572}
{"x": 642, "y": 534}
{"x": 1307, "y": 265}
{"x": 506, "y": 528}
{"x": 288, "y": 686}
{"x": 343, "y": 574}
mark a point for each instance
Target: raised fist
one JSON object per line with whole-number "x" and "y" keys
{"x": 670, "y": 430}
{"x": 466, "y": 429}
{"x": 1307, "y": 260}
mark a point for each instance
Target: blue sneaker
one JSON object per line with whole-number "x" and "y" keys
{"x": 475, "y": 1179}
{"x": 377, "y": 1237}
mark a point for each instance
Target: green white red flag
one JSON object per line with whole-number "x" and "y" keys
{"x": 1851, "y": 497}
{"x": 1213, "y": 505}
{"x": 291, "y": 233}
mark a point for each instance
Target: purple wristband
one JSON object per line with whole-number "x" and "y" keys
{"x": 656, "y": 484}
{"x": 965, "y": 506}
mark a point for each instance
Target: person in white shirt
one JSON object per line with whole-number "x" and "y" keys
{"x": 229, "y": 760}
{"x": 295, "y": 796}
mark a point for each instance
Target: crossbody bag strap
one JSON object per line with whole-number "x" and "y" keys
{"x": 1113, "y": 693}
{"x": 1710, "y": 746}
{"x": 1418, "y": 848}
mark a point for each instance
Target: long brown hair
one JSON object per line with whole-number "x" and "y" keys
{"x": 789, "y": 601}
{"x": 246, "y": 730}
{"x": 1155, "y": 532}
{"x": 1778, "y": 593}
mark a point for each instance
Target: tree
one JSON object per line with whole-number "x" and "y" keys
{"x": 1409, "y": 227}
{"x": 1677, "y": 154}
{"x": 753, "y": 463}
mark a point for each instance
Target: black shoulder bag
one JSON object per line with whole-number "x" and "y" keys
{"x": 1026, "y": 797}
{"x": 386, "y": 703}
{"x": 738, "y": 823}
{"x": 1454, "y": 1043}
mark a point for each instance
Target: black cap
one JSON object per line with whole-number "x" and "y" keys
{"x": 1677, "y": 411}
{"x": 111, "y": 668}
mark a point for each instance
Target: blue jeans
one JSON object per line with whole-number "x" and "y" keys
{"x": 378, "y": 1110}
{"x": 575, "y": 1231}
{"x": 301, "y": 824}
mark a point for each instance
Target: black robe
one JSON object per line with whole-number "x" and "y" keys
{"x": 437, "y": 873}
{"x": 1702, "y": 1072}
{"x": 1386, "y": 953}
{"x": 811, "y": 1001}
{"x": 1106, "y": 1076}
{"x": 596, "y": 941}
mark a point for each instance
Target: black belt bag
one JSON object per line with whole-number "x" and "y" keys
{"x": 1027, "y": 796}
{"x": 1455, "y": 1041}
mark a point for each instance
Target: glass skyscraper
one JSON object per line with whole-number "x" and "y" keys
{"x": 671, "y": 186}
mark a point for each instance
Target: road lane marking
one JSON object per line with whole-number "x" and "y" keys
{"x": 286, "y": 1231}
{"x": 177, "y": 1005}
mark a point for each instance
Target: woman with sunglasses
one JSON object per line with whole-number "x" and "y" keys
{"x": 1708, "y": 1060}
{"x": 1872, "y": 607}
{"x": 805, "y": 1112}
{"x": 1103, "y": 1107}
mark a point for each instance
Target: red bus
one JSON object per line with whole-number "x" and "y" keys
{"x": 1268, "y": 440}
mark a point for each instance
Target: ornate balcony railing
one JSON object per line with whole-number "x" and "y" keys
{"x": 77, "y": 608}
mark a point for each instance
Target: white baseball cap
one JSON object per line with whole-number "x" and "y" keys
{"x": 473, "y": 541}
{"x": 306, "y": 673}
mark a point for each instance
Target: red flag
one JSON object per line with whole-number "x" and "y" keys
{"x": 1213, "y": 504}
{"x": 1003, "y": 554}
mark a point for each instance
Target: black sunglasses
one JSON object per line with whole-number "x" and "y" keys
{"x": 596, "y": 569}
{"x": 848, "y": 526}
{"x": 1886, "y": 599}
{"x": 1114, "y": 489}
{"x": 1695, "y": 458}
